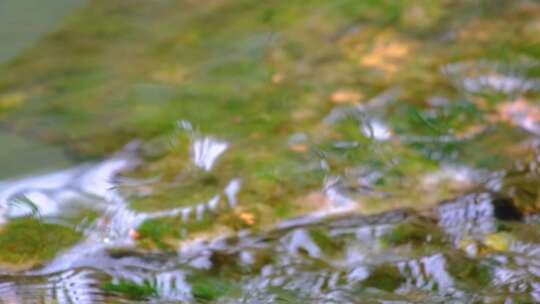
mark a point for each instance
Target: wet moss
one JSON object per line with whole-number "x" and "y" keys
{"x": 130, "y": 289}
{"x": 413, "y": 232}
{"x": 208, "y": 287}
{"x": 156, "y": 232}
{"x": 385, "y": 277}
{"x": 28, "y": 241}
{"x": 186, "y": 192}
{"x": 469, "y": 272}
{"x": 330, "y": 246}
{"x": 525, "y": 232}
{"x": 165, "y": 233}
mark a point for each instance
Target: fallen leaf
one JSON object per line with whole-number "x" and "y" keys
{"x": 247, "y": 217}
{"x": 134, "y": 234}
{"x": 386, "y": 54}
{"x": 278, "y": 78}
{"x": 300, "y": 148}
{"x": 345, "y": 96}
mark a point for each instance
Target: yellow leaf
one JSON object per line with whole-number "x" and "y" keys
{"x": 345, "y": 96}
{"x": 386, "y": 54}
{"x": 300, "y": 148}
{"x": 497, "y": 241}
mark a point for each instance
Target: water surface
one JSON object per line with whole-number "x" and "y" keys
{"x": 278, "y": 152}
{"x": 22, "y": 23}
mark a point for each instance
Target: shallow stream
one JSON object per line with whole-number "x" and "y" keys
{"x": 270, "y": 152}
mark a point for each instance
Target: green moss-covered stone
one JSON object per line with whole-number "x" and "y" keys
{"x": 27, "y": 241}
{"x": 414, "y": 231}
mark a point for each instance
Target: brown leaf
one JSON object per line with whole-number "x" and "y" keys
{"x": 247, "y": 217}
{"x": 345, "y": 96}
{"x": 278, "y": 78}
{"x": 386, "y": 54}
{"x": 300, "y": 148}
{"x": 134, "y": 234}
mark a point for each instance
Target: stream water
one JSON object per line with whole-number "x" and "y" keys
{"x": 242, "y": 152}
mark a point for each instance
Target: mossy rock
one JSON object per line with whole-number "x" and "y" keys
{"x": 156, "y": 232}
{"x": 330, "y": 246}
{"x": 27, "y": 242}
{"x": 469, "y": 272}
{"x": 414, "y": 231}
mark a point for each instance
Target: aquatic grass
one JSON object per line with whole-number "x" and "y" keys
{"x": 23, "y": 201}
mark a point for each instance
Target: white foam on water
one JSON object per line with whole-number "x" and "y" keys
{"x": 85, "y": 185}
{"x": 232, "y": 190}
{"x": 32, "y": 187}
{"x": 333, "y": 190}
{"x": 172, "y": 285}
{"x": 480, "y": 76}
{"x": 300, "y": 239}
{"x": 376, "y": 129}
{"x": 206, "y": 151}
{"x": 213, "y": 203}
{"x": 99, "y": 180}
{"x": 462, "y": 175}
{"x": 501, "y": 83}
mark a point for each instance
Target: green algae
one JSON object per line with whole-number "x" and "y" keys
{"x": 384, "y": 277}
{"x": 414, "y": 232}
{"x": 130, "y": 289}
{"x": 223, "y": 279}
{"x": 165, "y": 232}
{"x": 27, "y": 242}
{"x": 209, "y": 288}
{"x": 469, "y": 272}
{"x": 156, "y": 231}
